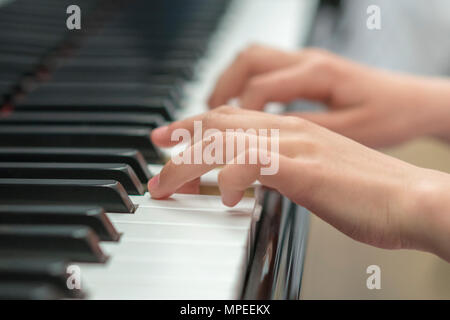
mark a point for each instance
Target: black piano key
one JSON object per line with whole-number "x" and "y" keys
{"x": 119, "y": 172}
{"x": 101, "y": 103}
{"x": 74, "y": 243}
{"x": 25, "y": 48}
{"x": 11, "y": 76}
{"x": 161, "y": 106}
{"x": 90, "y": 216}
{"x": 31, "y": 46}
{"x": 161, "y": 74}
{"x": 13, "y": 71}
{"x": 19, "y": 63}
{"x": 163, "y": 87}
{"x": 7, "y": 88}
{"x": 110, "y": 62}
{"x": 157, "y": 75}
{"x": 26, "y": 21}
{"x": 108, "y": 194}
{"x": 157, "y": 83}
{"x": 30, "y": 33}
{"x": 186, "y": 54}
{"x": 80, "y": 137}
{"x": 81, "y": 118}
{"x": 123, "y": 35}
{"x": 170, "y": 51}
{"x": 125, "y": 40}
{"x": 18, "y": 23}
{"x": 15, "y": 270}
{"x": 30, "y": 9}
{"x": 15, "y": 25}
{"x": 131, "y": 157}
{"x": 63, "y": 90}
{"x": 165, "y": 73}
{"x": 30, "y": 290}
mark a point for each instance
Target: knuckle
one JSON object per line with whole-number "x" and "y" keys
{"x": 172, "y": 127}
{"x": 221, "y": 178}
{"x": 254, "y": 47}
{"x": 205, "y": 143}
{"x": 225, "y": 109}
{"x": 219, "y": 136}
{"x": 322, "y": 64}
{"x": 254, "y": 85}
{"x": 296, "y": 122}
{"x": 249, "y": 52}
{"x": 165, "y": 172}
{"x": 214, "y": 120}
{"x": 208, "y": 120}
{"x": 315, "y": 52}
{"x": 310, "y": 148}
{"x": 213, "y": 135}
{"x": 243, "y": 55}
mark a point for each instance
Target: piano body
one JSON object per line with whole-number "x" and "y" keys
{"x": 78, "y": 107}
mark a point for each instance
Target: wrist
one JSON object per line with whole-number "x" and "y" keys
{"x": 430, "y": 225}
{"x": 432, "y": 100}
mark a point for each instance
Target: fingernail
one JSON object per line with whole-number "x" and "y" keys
{"x": 160, "y": 130}
{"x": 153, "y": 183}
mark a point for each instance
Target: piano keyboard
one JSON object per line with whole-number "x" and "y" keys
{"x": 75, "y": 156}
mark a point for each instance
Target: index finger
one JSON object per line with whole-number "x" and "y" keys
{"x": 179, "y": 171}
{"x": 220, "y": 119}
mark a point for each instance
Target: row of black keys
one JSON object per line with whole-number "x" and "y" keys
{"x": 86, "y": 176}
{"x": 37, "y": 244}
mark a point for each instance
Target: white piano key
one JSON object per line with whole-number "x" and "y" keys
{"x": 161, "y": 269}
{"x": 170, "y": 246}
{"x": 180, "y": 249}
{"x": 174, "y": 267}
{"x": 111, "y": 291}
{"x": 208, "y": 179}
{"x": 187, "y": 216}
{"x": 200, "y": 202}
{"x": 181, "y": 232}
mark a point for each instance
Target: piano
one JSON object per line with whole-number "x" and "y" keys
{"x": 77, "y": 110}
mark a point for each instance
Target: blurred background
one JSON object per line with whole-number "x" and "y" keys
{"x": 413, "y": 38}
